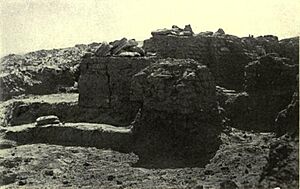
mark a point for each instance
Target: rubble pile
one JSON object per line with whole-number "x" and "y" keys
{"x": 122, "y": 48}
{"x": 174, "y": 31}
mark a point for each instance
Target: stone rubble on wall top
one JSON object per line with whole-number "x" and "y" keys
{"x": 175, "y": 30}
{"x": 122, "y": 47}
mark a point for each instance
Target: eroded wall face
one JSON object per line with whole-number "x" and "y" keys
{"x": 225, "y": 57}
{"x": 104, "y": 84}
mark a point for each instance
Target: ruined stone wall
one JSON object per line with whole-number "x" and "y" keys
{"x": 104, "y": 84}
{"x": 225, "y": 56}
{"x": 178, "y": 114}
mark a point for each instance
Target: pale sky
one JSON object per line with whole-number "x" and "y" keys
{"x": 27, "y": 25}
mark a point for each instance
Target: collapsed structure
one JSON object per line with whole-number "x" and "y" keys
{"x": 236, "y": 64}
{"x": 170, "y": 99}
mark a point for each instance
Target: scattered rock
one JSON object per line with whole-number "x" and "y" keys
{"x": 46, "y": 120}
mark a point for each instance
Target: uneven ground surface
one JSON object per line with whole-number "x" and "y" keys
{"x": 240, "y": 159}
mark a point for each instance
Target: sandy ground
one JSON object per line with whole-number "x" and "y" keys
{"x": 240, "y": 159}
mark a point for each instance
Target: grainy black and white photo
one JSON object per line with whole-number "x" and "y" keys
{"x": 143, "y": 94}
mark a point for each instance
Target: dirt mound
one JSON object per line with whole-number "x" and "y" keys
{"x": 178, "y": 113}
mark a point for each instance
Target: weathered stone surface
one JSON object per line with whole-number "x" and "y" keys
{"x": 188, "y": 28}
{"x": 103, "y": 49}
{"x": 41, "y": 80}
{"x": 122, "y": 44}
{"x": 224, "y": 55}
{"x": 238, "y": 110}
{"x": 290, "y": 48}
{"x": 75, "y": 134}
{"x": 129, "y": 54}
{"x": 28, "y": 109}
{"x": 46, "y": 120}
{"x": 287, "y": 120}
{"x": 178, "y": 113}
{"x": 220, "y": 31}
{"x": 137, "y": 49}
{"x": 41, "y": 72}
{"x": 224, "y": 95}
{"x": 207, "y": 33}
{"x": 271, "y": 74}
{"x": 105, "y": 84}
{"x": 282, "y": 170}
{"x": 270, "y": 84}
{"x": 175, "y": 31}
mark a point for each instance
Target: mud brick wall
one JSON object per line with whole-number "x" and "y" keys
{"x": 104, "y": 84}
{"x": 225, "y": 56}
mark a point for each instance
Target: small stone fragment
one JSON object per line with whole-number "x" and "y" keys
{"x": 45, "y": 120}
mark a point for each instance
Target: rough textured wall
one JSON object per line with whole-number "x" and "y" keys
{"x": 270, "y": 83}
{"x": 178, "y": 113}
{"x": 225, "y": 56}
{"x": 104, "y": 84}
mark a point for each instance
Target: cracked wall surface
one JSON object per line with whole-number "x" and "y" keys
{"x": 225, "y": 55}
{"x": 104, "y": 84}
